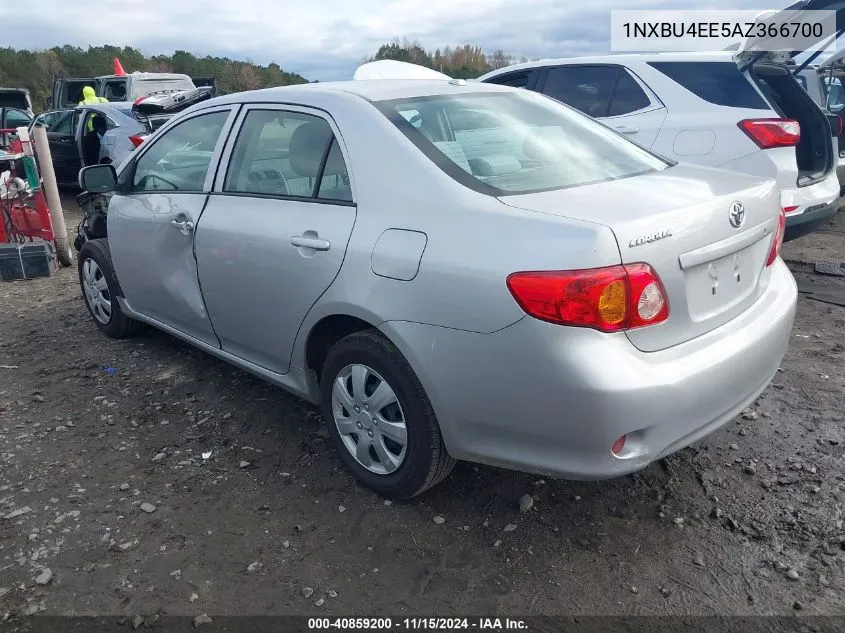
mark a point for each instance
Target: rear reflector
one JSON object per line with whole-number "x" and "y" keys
{"x": 618, "y": 445}
{"x": 777, "y": 240}
{"x": 136, "y": 140}
{"x": 769, "y": 133}
{"x": 608, "y": 299}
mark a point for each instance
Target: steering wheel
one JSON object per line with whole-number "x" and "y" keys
{"x": 143, "y": 182}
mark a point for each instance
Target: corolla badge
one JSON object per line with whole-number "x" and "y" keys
{"x": 736, "y": 214}
{"x": 648, "y": 239}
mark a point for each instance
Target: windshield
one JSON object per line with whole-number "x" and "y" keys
{"x": 516, "y": 142}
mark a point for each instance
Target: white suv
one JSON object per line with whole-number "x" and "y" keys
{"x": 743, "y": 112}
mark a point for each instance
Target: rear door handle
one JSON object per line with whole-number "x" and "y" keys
{"x": 627, "y": 130}
{"x": 314, "y": 243}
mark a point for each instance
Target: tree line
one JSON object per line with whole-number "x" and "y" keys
{"x": 461, "y": 62}
{"x": 37, "y": 70}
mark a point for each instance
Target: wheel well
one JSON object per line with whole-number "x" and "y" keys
{"x": 328, "y": 332}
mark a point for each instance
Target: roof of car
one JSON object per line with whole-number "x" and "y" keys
{"x": 370, "y": 89}
{"x": 697, "y": 56}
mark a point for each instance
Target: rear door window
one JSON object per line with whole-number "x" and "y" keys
{"x": 65, "y": 125}
{"x": 287, "y": 154}
{"x": 719, "y": 83}
{"x": 585, "y": 88}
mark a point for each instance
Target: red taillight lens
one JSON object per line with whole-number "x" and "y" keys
{"x": 777, "y": 241}
{"x": 136, "y": 140}
{"x": 618, "y": 446}
{"x": 139, "y": 100}
{"x": 606, "y": 299}
{"x": 769, "y": 133}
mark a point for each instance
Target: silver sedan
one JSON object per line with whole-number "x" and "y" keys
{"x": 452, "y": 272}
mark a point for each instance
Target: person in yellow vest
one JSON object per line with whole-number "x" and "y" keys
{"x": 90, "y": 97}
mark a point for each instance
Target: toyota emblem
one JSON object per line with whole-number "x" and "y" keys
{"x": 736, "y": 215}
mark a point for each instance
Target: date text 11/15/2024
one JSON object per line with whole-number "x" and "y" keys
{"x": 416, "y": 624}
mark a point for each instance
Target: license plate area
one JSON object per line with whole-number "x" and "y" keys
{"x": 718, "y": 285}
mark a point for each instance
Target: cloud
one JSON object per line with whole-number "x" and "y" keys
{"x": 325, "y": 40}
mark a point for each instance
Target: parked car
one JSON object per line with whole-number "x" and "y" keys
{"x": 16, "y": 98}
{"x": 73, "y": 146}
{"x": 67, "y": 93}
{"x": 15, "y": 111}
{"x": 452, "y": 271}
{"x": 741, "y": 111}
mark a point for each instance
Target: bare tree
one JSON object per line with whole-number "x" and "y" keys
{"x": 245, "y": 77}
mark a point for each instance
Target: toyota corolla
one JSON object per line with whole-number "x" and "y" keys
{"x": 452, "y": 272}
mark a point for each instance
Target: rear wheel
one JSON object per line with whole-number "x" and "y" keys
{"x": 380, "y": 418}
{"x": 100, "y": 290}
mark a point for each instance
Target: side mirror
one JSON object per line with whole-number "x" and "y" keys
{"x": 98, "y": 178}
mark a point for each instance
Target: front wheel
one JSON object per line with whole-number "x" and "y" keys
{"x": 101, "y": 289}
{"x": 380, "y": 418}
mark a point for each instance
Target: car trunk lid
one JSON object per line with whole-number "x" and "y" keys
{"x": 707, "y": 233}
{"x": 17, "y": 98}
{"x": 755, "y": 49}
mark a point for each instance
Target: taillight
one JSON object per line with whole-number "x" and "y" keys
{"x": 769, "y": 133}
{"x": 607, "y": 299}
{"x": 136, "y": 140}
{"x": 139, "y": 100}
{"x": 777, "y": 241}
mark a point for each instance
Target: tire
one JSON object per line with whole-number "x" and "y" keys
{"x": 425, "y": 462}
{"x": 117, "y": 324}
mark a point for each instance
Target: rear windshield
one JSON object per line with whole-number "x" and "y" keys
{"x": 719, "y": 83}
{"x": 13, "y": 99}
{"x": 516, "y": 142}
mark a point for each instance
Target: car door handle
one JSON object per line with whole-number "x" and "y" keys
{"x": 184, "y": 226}
{"x": 627, "y": 130}
{"x": 66, "y": 139}
{"x": 315, "y": 243}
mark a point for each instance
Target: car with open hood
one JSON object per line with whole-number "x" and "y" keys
{"x": 451, "y": 270}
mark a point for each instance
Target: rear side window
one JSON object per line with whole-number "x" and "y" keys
{"x": 627, "y": 96}
{"x": 719, "y": 83}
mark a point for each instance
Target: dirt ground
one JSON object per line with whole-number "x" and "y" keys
{"x": 95, "y": 433}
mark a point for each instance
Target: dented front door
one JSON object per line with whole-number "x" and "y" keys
{"x": 152, "y": 219}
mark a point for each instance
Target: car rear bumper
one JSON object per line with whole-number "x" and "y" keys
{"x": 552, "y": 400}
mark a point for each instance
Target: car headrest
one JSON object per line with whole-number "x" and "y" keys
{"x": 307, "y": 145}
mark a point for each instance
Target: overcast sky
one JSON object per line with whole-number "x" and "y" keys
{"x": 325, "y": 39}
